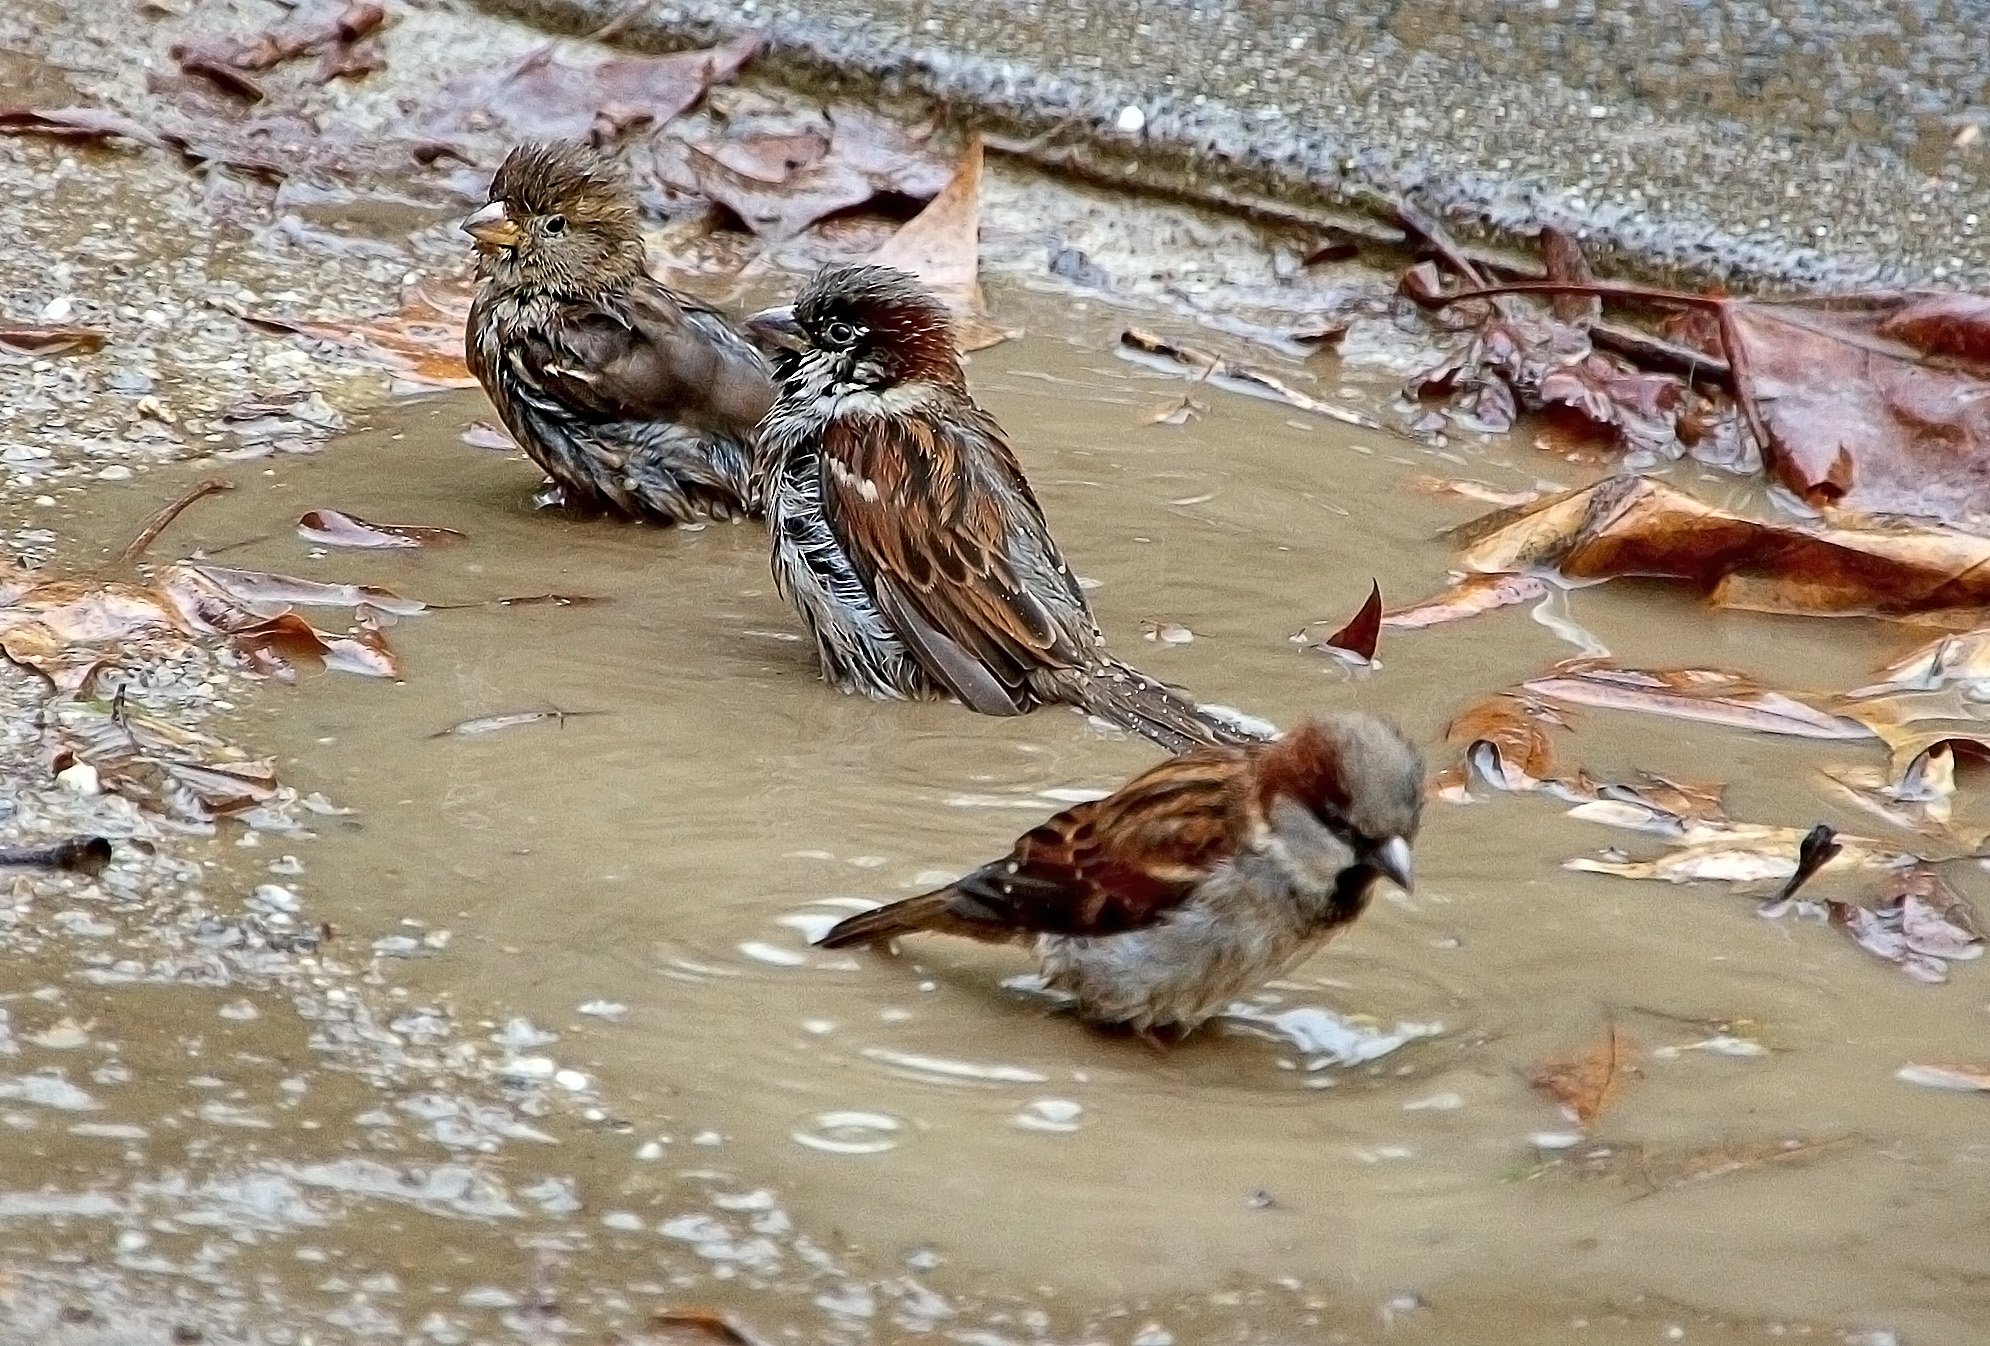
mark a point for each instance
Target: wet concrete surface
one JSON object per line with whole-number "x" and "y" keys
{"x": 1819, "y": 141}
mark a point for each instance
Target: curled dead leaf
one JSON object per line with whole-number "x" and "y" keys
{"x": 1468, "y": 597}
{"x": 1630, "y": 526}
{"x": 1711, "y": 696}
{"x": 333, "y": 528}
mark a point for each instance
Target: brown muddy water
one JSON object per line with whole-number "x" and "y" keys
{"x": 859, "y": 1148}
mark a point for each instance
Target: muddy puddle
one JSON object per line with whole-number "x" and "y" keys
{"x": 692, "y": 1106}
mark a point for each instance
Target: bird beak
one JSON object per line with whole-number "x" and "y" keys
{"x": 491, "y": 225}
{"x": 776, "y": 327}
{"x": 1392, "y": 858}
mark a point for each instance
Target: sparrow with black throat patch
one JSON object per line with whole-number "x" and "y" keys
{"x": 1199, "y": 880}
{"x": 633, "y": 398}
{"x": 906, "y": 536}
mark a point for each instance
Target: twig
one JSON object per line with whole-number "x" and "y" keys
{"x": 163, "y": 520}
{"x": 83, "y": 855}
{"x": 1598, "y": 289}
{"x": 1414, "y": 219}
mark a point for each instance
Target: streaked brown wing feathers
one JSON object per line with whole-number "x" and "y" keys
{"x": 1115, "y": 864}
{"x": 905, "y": 506}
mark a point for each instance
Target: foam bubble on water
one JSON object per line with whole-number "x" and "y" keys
{"x": 851, "y": 1133}
{"x": 773, "y": 954}
{"x": 1049, "y": 1114}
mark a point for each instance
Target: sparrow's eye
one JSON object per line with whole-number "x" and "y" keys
{"x": 840, "y": 334}
{"x": 556, "y": 224}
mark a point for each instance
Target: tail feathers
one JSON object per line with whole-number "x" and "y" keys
{"x": 925, "y": 912}
{"x": 1130, "y": 699}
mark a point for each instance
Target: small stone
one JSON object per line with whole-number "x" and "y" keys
{"x": 80, "y": 779}
{"x": 115, "y": 472}
{"x": 573, "y": 1081}
{"x": 1131, "y": 120}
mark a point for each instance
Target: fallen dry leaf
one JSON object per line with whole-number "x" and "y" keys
{"x": 1468, "y": 597}
{"x": 336, "y": 529}
{"x": 941, "y": 245}
{"x": 545, "y": 97}
{"x": 1589, "y": 1085}
{"x": 1711, "y": 696}
{"x": 779, "y": 171}
{"x": 1874, "y": 401}
{"x": 423, "y": 343}
{"x": 1633, "y": 526}
{"x": 73, "y": 123}
{"x": 42, "y": 340}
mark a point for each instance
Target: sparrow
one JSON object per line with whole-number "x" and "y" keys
{"x": 1201, "y": 878}
{"x": 905, "y": 534}
{"x": 633, "y": 398}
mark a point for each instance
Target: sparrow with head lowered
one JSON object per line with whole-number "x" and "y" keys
{"x": 906, "y": 535}
{"x": 633, "y": 398}
{"x": 1203, "y": 877}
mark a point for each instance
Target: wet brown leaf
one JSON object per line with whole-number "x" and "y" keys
{"x": 1590, "y": 1084}
{"x": 194, "y": 586}
{"x": 1654, "y": 1169}
{"x": 545, "y": 97}
{"x": 1239, "y": 378}
{"x": 1711, "y": 696}
{"x": 1504, "y": 740}
{"x": 51, "y": 340}
{"x": 423, "y": 343}
{"x": 1177, "y": 411}
{"x": 1470, "y": 490}
{"x": 1166, "y": 633}
{"x": 1470, "y": 596}
{"x": 1952, "y": 1075}
{"x": 941, "y": 245}
{"x": 778, "y": 171}
{"x": 1878, "y": 402}
{"x": 1632, "y": 526}
{"x": 485, "y": 435}
{"x": 1363, "y": 630}
{"x": 713, "y": 1323}
{"x": 492, "y": 724}
{"x": 1721, "y": 851}
{"x": 1881, "y": 937}
{"x": 336, "y": 529}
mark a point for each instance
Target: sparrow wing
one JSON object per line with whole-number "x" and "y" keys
{"x": 652, "y": 355}
{"x": 934, "y": 513}
{"x": 1115, "y": 864}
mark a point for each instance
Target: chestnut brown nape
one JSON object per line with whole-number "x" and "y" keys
{"x": 1360, "y": 767}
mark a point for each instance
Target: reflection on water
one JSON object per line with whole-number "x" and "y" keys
{"x": 620, "y": 907}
